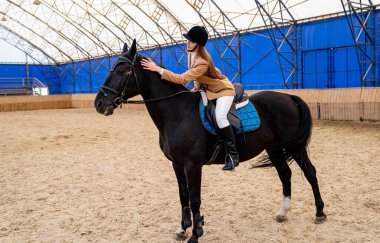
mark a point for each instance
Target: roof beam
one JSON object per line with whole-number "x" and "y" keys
{"x": 39, "y": 35}
{"x": 62, "y": 35}
{"x": 48, "y": 57}
{"x": 83, "y": 30}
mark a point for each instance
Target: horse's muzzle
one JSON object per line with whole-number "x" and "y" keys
{"x": 109, "y": 110}
{"x": 102, "y": 108}
{"x": 99, "y": 105}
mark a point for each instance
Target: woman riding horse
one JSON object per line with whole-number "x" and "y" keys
{"x": 284, "y": 133}
{"x": 206, "y": 75}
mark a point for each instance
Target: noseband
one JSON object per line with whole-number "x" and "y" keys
{"x": 119, "y": 100}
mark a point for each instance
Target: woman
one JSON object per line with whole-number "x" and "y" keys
{"x": 206, "y": 75}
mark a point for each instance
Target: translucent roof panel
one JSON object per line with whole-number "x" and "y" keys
{"x": 52, "y": 31}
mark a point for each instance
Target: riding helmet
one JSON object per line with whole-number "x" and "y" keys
{"x": 197, "y": 34}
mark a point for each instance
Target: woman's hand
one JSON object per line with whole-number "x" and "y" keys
{"x": 150, "y": 65}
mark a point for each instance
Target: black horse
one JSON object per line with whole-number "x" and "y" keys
{"x": 284, "y": 133}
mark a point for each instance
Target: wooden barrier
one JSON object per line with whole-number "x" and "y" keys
{"x": 352, "y": 104}
{"x": 349, "y": 104}
{"x": 310, "y": 96}
{"x": 22, "y": 103}
{"x": 370, "y": 104}
{"x": 340, "y": 104}
{"x": 82, "y": 100}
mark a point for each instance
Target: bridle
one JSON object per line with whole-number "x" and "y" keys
{"x": 119, "y": 100}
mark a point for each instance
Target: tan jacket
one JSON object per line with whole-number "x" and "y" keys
{"x": 198, "y": 71}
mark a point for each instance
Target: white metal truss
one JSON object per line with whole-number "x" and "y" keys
{"x": 281, "y": 26}
{"x": 360, "y": 15}
{"x": 36, "y": 53}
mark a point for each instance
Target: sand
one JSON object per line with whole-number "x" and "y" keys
{"x": 76, "y": 176}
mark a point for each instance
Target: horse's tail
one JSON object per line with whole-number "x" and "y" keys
{"x": 294, "y": 146}
{"x": 300, "y": 140}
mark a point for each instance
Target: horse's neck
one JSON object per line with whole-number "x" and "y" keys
{"x": 167, "y": 103}
{"x": 155, "y": 88}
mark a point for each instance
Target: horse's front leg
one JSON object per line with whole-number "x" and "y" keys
{"x": 194, "y": 177}
{"x": 184, "y": 198}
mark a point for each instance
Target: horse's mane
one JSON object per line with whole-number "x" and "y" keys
{"x": 178, "y": 87}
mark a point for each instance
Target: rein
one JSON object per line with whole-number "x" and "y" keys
{"x": 119, "y": 100}
{"x": 156, "y": 99}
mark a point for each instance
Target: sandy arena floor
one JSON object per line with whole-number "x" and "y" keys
{"x": 76, "y": 176}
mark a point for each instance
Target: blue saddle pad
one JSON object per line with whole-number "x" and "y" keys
{"x": 248, "y": 116}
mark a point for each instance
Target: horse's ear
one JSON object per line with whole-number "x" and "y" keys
{"x": 132, "y": 51}
{"x": 125, "y": 48}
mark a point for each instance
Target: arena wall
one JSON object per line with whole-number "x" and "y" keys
{"x": 22, "y": 103}
{"x": 352, "y": 104}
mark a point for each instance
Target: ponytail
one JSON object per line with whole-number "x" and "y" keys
{"x": 202, "y": 52}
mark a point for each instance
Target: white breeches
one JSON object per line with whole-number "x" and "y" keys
{"x": 223, "y": 105}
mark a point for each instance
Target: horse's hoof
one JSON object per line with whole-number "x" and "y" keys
{"x": 193, "y": 239}
{"x": 281, "y": 218}
{"x": 320, "y": 219}
{"x": 180, "y": 236}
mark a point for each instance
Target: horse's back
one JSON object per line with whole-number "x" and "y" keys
{"x": 283, "y": 112}
{"x": 276, "y": 103}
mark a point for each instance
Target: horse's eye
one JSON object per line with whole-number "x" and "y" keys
{"x": 120, "y": 71}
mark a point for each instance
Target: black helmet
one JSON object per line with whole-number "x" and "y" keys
{"x": 197, "y": 34}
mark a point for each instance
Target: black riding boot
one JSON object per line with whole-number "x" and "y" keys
{"x": 232, "y": 158}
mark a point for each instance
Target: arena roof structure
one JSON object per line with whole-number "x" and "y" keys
{"x": 263, "y": 44}
{"x": 54, "y": 32}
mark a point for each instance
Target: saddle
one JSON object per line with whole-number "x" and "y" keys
{"x": 242, "y": 116}
{"x": 240, "y": 100}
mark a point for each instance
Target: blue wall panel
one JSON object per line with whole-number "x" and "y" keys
{"x": 170, "y": 58}
{"x": 315, "y": 73}
{"x": 260, "y": 69}
{"x": 13, "y": 70}
{"x": 346, "y": 69}
{"x": 85, "y": 76}
{"x": 100, "y": 70}
{"x": 326, "y": 34}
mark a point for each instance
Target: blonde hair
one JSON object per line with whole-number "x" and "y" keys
{"x": 202, "y": 52}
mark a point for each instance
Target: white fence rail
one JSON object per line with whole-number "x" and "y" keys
{"x": 22, "y": 86}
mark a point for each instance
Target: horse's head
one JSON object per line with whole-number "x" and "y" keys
{"x": 120, "y": 84}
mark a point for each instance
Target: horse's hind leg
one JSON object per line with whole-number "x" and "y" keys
{"x": 311, "y": 175}
{"x": 278, "y": 160}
